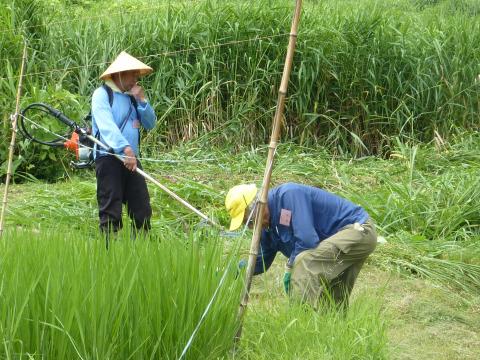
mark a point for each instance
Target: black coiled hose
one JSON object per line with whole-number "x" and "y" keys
{"x": 51, "y": 112}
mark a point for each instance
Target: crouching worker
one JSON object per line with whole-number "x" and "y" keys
{"x": 119, "y": 110}
{"x": 326, "y": 238}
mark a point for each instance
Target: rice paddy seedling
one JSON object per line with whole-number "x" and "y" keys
{"x": 67, "y": 297}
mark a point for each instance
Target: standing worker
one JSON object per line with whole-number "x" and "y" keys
{"x": 119, "y": 109}
{"x": 326, "y": 238}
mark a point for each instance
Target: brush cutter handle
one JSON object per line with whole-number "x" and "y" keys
{"x": 53, "y": 112}
{"x": 47, "y": 109}
{"x": 60, "y": 116}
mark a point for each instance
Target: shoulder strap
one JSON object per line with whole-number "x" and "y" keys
{"x": 135, "y": 105}
{"x": 133, "y": 101}
{"x": 109, "y": 91}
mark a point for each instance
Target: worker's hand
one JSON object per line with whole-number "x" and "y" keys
{"x": 130, "y": 161}
{"x": 242, "y": 264}
{"x": 138, "y": 93}
{"x": 286, "y": 279}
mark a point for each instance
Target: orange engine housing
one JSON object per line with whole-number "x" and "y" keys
{"x": 72, "y": 144}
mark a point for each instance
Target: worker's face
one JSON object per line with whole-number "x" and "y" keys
{"x": 250, "y": 219}
{"x": 125, "y": 80}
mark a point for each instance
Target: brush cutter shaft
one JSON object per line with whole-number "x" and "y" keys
{"x": 176, "y": 197}
{"x": 83, "y": 153}
{"x": 163, "y": 187}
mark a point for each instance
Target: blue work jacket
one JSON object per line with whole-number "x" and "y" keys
{"x": 300, "y": 218}
{"x": 107, "y": 120}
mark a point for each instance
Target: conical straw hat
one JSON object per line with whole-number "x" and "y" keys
{"x": 126, "y": 62}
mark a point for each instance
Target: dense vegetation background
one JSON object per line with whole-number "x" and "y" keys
{"x": 364, "y": 73}
{"x": 383, "y": 108}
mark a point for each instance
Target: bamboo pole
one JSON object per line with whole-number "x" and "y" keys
{"x": 276, "y": 127}
{"x": 12, "y": 141}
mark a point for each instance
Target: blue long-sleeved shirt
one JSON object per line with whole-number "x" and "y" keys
{"x": 300, "y": 218}
{"x": 106, "y": 120}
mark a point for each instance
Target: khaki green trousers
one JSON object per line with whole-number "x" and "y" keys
{"x": 328, "y": 272}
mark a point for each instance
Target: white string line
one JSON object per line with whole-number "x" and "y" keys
{"x": 207, "y": 309}
{"x": 109, "y": 153}
{"x": 32, "y": 53}
{"x": 165, "y": 53}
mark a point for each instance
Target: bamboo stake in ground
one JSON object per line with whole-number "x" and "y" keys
{"x": 12, "y": 141}
{"x": 276, "y": 127}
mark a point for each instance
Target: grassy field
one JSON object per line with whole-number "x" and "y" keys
{"x": 383, "y": 109}
{"x": 417, "y": 297}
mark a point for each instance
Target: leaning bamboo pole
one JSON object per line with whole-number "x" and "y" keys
{"x": 276, "y": 127}
{"x": 12, "y": 141}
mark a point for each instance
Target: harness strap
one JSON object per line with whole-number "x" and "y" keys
{"x": 133, "y": 102}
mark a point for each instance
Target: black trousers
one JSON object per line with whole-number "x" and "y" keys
{"x": 116, "y": 185}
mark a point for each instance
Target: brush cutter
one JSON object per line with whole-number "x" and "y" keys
{"x": 81, "y": 141}
{"x": 76, "y": 141}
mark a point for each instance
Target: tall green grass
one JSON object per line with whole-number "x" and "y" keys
{"x": 363, "y": 71}
{"x": 66, "y": 297}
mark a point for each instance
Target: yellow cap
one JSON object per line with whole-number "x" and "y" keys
{"x": 237, "y": 200}
{"x": 126, "y": 62}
